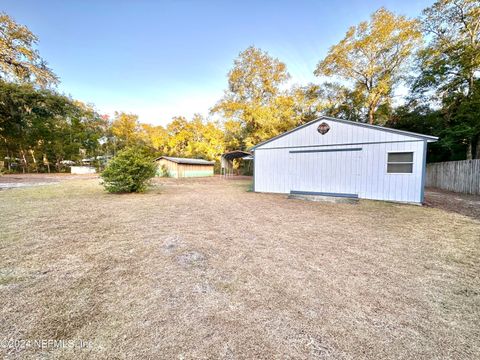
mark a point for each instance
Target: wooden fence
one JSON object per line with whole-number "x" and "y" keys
{"x": 459, "y": 176}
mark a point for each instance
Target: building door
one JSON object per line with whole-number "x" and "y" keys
{"x": 333, "y": 172}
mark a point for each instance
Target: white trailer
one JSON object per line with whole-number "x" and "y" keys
{"x": 334, "y": 157}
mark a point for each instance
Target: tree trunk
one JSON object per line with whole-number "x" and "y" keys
{"x": 371, "y": 114}
{"x": 9, "y": 160}
{"x": 469, "y": 150}
{"x": 476, "y": 155}
{"x": 46, "y": 162}
{"x": 32, "y": 154}
{"x": 25, "y": 164}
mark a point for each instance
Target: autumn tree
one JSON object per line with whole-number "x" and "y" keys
{"x": 206, "y": 141}
{"x": 253, "y": 87}
{"x": 256, "y": 106}
{"x": 154, "y": 137}
{"x": 179, "y": 135}
{"x": 338, "y": 100}
{"x": 19, "y": 58}
{"x": 195, "y": 138}
{"x": 371, "y": 58}
{"x": 126, "y": 129}
{"x": 307, "y": 104}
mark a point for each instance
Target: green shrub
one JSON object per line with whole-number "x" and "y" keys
{"x": 129, "y": 171}
{"x": 163, "y": 172}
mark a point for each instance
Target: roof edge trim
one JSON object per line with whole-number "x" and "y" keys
{"x": 429, "y": 138}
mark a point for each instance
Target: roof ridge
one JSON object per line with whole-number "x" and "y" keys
{"x": 186, "y": 160}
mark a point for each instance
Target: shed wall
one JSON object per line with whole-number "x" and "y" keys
{"x": 184, "y": 170}
{"x": 170, "y": 166}
{"x": 360, "y": 168}
{"x": 187, "y": 170}
{"x": 339, "y": 134}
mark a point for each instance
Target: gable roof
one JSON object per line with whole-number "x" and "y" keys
{"x": 186, "y": 160}
{"x": 428, "y": 138}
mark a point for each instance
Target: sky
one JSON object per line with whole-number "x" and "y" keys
{"x": 160, "y": 59}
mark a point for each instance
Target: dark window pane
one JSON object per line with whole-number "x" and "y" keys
{"x": 400, "y": 168}
{"x": 400, "y": 157}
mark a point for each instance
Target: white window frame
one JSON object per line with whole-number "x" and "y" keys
{"x": 395, "y": 162}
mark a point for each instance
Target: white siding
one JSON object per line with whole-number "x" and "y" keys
{"x": 339, "y": 133}
{"x": 362, "y": 172}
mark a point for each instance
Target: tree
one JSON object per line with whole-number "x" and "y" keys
{"x": 41, "y": 127}
{"x": 253, "y": 85}
{"x": 19, "y": 60}
{"x": 129, "y": 171}
{"x": 451, "y": 61}
{"x": 338, "y": 100}
{"x": 155, "y": 137}
{"x": 126, "y": 129}
{"x": 371, "y": 58}
{"x": 462, "y": 120}
{"x": 449, "y": 67}
{"x": 256, "y": 77}
{"x": 196, "y": 138}
{"x": 307, "y": 105}
{"x": 423, "y": 120}
{"x": 207, "y": 141}
{"x": 255, "y": 107}
{"x": 179, "y": 135}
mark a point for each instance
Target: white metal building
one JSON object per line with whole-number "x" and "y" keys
{"x": 334, "y": 157}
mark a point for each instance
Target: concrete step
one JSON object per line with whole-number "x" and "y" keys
{"x": 331, "y": 199}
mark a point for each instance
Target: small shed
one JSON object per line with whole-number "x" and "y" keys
{"x": 183, "y": 167}
{"x": 335, "y": 157}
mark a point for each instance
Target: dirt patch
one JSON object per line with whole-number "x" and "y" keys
{"x": 191, "y": 258}
{"x": 203, "y": 268}
{"x": 172, "y": 243}
{"x": 464, "y": 204}
{"x": 11, "y": 181}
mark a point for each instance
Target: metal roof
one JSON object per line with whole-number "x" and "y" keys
{"x": 236, "y": 154}
{"x": 429, "y": 138}
{"x": 186, "y": 160}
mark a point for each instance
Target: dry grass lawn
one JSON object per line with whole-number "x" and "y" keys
{"x": 205, "y": 269}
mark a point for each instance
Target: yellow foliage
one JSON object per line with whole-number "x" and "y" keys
{"x": 372, "y": 55}
{"x": 255, "y": 107}
{"x": 126, "y": 128}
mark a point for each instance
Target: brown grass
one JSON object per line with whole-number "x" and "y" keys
{"x": 204, "y": 269}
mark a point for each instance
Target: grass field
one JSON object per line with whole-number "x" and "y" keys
{"x": 202, "y": 268}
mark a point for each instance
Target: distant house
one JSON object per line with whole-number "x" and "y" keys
{"x": 334, "y": 157}
{"x": 183, "y": 167}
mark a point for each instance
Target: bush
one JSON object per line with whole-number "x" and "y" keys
{"x": 129, "y": 171}
{"x": 163, "y": 172}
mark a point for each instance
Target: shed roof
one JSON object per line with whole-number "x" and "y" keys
{"x": 186, "y": 160}
{"x": 236, "y": 154}
{"x": 428, "y": 138}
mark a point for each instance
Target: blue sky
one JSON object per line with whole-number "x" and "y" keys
{"x": 159, "y": 59}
